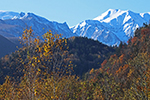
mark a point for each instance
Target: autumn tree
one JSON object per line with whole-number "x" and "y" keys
{"x": 45, "y": 67}
{"x": 140, "y": 77}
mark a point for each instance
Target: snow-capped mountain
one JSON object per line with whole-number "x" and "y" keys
{"x": 12, "y": 25}
{"x": 112, "y": 26}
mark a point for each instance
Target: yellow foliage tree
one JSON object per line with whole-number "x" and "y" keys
{"x": 46, "y": 69}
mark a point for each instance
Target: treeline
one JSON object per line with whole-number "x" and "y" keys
{"x": 45, "y": 70}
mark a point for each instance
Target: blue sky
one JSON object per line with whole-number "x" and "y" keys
{"x": 72, "y": 11}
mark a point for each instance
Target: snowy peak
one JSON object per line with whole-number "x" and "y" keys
{"x": 120, "y": 15}
{"x": 7, "y": 15}
{"x": 4, "y": 15}
{"x": 13, "y": 23}
{"x": 112, "y": 26}
{"x": 109, "y": 15}
{"x": 113, "y": 14}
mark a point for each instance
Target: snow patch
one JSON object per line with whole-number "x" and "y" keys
{"x": 25, "y": 16}
{"x": 126, "y": 19}
{"x": 15, "y": 17}
{"x": 82, "y": 24}
{"x": 1, "y": 11}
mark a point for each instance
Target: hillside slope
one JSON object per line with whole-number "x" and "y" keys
{"x": 6, "y": 46}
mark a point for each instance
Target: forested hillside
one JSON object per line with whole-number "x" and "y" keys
{"x": 126, "y": 74}
{"x": 87, "y": 53}
{"x": 49, "y": 70}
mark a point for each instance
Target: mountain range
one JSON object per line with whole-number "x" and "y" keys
{"x": 110, "y": 28}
